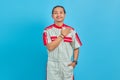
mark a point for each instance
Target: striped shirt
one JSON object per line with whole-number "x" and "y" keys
{"x": 65, "y": 49}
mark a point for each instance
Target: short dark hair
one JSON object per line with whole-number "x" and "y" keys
{"x": 60, "y": 7}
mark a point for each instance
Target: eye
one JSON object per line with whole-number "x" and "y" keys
{"x": 61, "y": 12}
{"x": 55, "y": 12}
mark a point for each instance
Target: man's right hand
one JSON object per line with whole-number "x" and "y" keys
{"x": 66, "y": 31}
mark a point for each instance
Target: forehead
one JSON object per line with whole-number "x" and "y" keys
{"x": 58, "y": 9}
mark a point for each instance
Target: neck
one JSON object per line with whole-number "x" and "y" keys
{"x": 59, "y": 23}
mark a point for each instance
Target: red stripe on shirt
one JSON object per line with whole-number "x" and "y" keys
{"x": 45, "y": 38}
{"x": 68, "y": 27}
{"x": 49, "y": 27}
{"x": 78, "y": 39}
{"x": 53, "y": 38}
{"x": 67, "y": 39}
{"x": 73, "y": 77}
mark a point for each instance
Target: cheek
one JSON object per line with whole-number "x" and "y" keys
{"x": 53, "y": 16}
{"x": 63, "y": 16}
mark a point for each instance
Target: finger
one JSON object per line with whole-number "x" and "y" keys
{"x": 69, "y": 64}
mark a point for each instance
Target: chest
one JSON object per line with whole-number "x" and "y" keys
{"x": 54, "y": 33}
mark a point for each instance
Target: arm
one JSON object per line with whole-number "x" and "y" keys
{"x": 75, "y": 54}
{"x": 52, "y": 45}
{"x": 75, "y": 45}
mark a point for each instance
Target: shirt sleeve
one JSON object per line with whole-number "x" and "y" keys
{"x": 76, "y": 43}
{"x": 46, "y": 37}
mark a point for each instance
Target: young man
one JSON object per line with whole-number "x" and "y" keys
{"x": 62, "y": 43}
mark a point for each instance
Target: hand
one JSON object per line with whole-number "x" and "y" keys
{"x": 65, "y": 32}
{"x": 73, "y": 64}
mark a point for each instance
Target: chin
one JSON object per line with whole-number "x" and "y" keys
{"x": 59, "y": 20}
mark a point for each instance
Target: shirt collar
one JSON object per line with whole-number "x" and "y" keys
{"x": 59, "y": 27}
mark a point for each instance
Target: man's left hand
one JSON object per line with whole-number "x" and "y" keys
{"x": 73, "y": 64}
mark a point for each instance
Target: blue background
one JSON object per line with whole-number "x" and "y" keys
{"x": 23, "y": 55}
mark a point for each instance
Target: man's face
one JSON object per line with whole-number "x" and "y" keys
{"x": 58, "y": 14}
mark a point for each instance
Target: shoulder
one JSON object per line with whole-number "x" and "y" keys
{"x": 67, "y": 26}
{"x": 49, "y": 27}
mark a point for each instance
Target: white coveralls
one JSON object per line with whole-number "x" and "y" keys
{"x": 60, "y": 57}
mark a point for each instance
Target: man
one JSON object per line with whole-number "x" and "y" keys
{"x": 62, "y": 43}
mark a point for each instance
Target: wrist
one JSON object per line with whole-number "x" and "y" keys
{"x": 75, "y": 61}
{"x": 61, "y": 36}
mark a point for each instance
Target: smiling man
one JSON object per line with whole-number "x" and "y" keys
{"x": 62, "y": 43}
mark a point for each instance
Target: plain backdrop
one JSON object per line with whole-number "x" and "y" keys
{"x": 23, "y": 55}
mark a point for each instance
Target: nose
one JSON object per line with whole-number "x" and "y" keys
{"x": 58, "y": 14}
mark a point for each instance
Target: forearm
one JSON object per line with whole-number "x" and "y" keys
{"x": 76, "y": 54}
{"x": 51, "y": 46}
